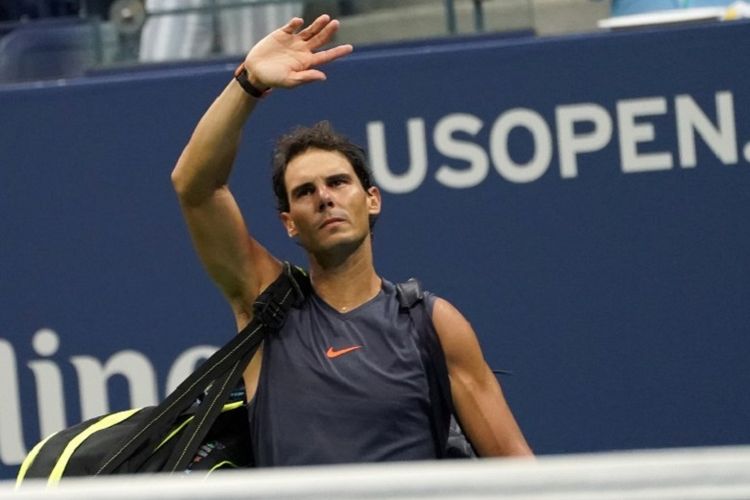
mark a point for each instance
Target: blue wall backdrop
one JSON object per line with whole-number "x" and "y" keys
{"x": 583, "y": 200}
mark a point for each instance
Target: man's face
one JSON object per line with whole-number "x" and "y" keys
{"x": 328, "y": 207}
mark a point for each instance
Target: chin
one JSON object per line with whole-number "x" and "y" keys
{"x": 336, "y": 244}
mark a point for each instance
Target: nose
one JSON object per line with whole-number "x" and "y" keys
{"x": 325, "y": 199}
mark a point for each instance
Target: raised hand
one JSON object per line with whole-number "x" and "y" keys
{"x": 287, "y": 58}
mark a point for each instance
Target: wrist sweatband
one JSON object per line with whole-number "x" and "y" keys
{"x": 240, "y": 74}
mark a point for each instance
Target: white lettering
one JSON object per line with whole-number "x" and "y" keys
{"x": 12, "y": 449}
{"x": 92, "y": 381}
{"x": 570, "y": 144}
{"x": 49, "y": 383}
{"x": 474, "y": 154}
{"x": 505, "y": 165}
{"x": 415, "y": 174}
{"x": 722, "y": 140}
{"x": 93, "y": 376}
{"x": 580, "y": 128}
{"x": 632, "y": 133}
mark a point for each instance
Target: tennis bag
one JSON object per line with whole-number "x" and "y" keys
{"x": 202, "y": 425}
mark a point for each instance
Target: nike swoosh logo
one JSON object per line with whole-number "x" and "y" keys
{"x": 335, "y": 353}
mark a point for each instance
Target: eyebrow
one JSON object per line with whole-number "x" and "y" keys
{"x": 296, "y": 191}
{"x": 343, "y": 176}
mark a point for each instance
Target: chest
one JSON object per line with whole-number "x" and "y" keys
{"x": 352, "y": 387}
{"x": 372, "y": 351}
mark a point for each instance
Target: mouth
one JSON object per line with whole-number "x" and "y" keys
{"x": 331, "y": 221}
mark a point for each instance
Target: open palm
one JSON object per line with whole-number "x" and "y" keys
{"x": 287, "y": 58}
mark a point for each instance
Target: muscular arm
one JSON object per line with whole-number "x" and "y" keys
{"x": 240, "y": 265}
{"x": 477, "y": 397}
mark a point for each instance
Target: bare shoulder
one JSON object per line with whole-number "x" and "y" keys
{"x": 445, "y": 314}
{"x": 457, "y": 336}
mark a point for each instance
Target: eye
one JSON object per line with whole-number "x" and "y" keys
{"x": 303, "y": 191}
{"x": 338, "y": 181}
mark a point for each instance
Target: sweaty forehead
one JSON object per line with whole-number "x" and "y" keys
{"x": 315, "y": 164}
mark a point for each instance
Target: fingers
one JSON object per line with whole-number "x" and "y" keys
{"x": 315, "y": 27}
{"x": 309, "y": 75}
{"x": 293, "y": 25}
{"x": 326, "y": 56}
{"x": 325, "y": 34}
{"x": 318, "y": 33}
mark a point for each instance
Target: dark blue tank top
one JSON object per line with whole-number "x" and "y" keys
{"x": 342, "y": 387}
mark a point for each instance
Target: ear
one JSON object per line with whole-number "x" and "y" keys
{"x": 373, "y": 200}
{"x": 289, "y": 225}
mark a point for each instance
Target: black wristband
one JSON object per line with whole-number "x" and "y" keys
{"x": 240, "y": 75}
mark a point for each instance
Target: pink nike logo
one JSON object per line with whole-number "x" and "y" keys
{"x": 335, "y": 353}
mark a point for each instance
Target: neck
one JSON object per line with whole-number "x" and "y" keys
{"x": 345, "y": 282}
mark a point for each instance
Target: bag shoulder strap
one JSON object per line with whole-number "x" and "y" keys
{"x": 412, "y": 302}
{"x": 220, "y": 373}
{"x": 409, "y": 293}
{"x": 269, "y": 312}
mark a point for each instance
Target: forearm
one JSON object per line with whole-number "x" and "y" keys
{"x": 206, "y": 162}
{"x": 486, "y": 417}
{"x": 478, "y": 399}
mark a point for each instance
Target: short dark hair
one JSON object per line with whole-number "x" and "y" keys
{"x": 319, "y": 136}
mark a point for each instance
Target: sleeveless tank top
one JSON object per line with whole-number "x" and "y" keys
{"x": 342, "y": 387}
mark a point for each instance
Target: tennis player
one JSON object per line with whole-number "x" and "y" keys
{"x": 343, "y": 381}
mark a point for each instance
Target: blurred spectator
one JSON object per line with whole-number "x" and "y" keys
{"x": 229, "y": 31}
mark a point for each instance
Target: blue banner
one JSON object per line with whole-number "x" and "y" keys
{"x": 582, "y": 200}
